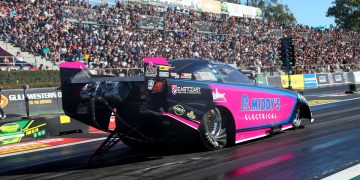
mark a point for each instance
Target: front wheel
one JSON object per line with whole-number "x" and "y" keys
{"x": 213, "y": 130}
{"x": 297, "y": 119}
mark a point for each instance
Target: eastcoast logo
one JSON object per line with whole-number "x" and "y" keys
{"x": 4, "y": 101}
{"x": 175, "y": 89}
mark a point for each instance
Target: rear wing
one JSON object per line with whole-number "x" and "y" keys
{"x": 84, "y": 94}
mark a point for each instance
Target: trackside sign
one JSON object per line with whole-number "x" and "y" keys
{"x": 41, "y": 101}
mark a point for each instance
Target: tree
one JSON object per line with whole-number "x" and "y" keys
{"x": 274, "y": 11}
{"x": 346, "y": 13}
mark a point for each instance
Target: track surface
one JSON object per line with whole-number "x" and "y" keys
{"x": 321, "y": 149}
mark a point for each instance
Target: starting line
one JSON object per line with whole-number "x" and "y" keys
{"x": 352, "y": 173}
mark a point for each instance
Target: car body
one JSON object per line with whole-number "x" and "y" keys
{"x": 211, "y": 98}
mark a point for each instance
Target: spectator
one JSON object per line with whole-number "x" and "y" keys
{"x": 127, "y": 32}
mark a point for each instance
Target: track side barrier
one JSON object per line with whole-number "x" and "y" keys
{"x": 297, "y": 81}
{"x": 309, "y": 81}
{"x": 274, "y": 81}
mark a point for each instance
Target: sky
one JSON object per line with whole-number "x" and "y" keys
{"x": 310, "y": 12}
{"x": 307, "y": 12}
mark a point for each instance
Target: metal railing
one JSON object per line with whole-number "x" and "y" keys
{"x": 7, "y": 61}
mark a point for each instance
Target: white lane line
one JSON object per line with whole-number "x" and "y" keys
{"x": 337, "y": 101}
{"x": 329, "y": 95}
{"x": 52, "y": 147}
{"x": 345, "y": 174}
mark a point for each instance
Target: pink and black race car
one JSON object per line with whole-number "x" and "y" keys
{"x": 214, "y": 99}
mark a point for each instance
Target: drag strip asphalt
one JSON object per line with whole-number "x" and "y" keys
{"x": 321, "y": 149}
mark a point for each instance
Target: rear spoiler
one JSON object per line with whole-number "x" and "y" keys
{"x": 77, "y": 72}
{"x": 82, "y": 91}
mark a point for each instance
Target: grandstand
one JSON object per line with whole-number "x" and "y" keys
{"x": 120, "y": 36}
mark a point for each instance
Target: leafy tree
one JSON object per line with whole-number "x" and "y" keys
{"x": 274, "y": 11}
{"x": 346, "y": 13}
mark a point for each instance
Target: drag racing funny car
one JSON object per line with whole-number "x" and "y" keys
{"x": 214, "y": 99}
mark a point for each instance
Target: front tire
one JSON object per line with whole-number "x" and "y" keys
{"x": 297, "y": 119}
{"x": 213, "y": 130}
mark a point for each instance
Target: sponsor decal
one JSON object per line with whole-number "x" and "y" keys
{"x": 260, "y": 116}
{"x": 175, "y": 89}
{"x": 3, "y": 101}
{"x": 310, "y": 80}
{"x": 37, "y": 102}
{"x": 163, "y": 74}
{"x": 164, "y": 68}
{"x": 218, "y": 97}
{"x": 15, "y": 131}
{"x": 35, "y": 96}
{"x": 191, "y": 115}
{"x": 150, "y": 84}
{"x": 178, "y": 110}
{"x": 174, "y": 75}
{"x": 259, "y": 104}
{"x": 151, "y": 70}
{"x": 260, "y": 108}
{"x": 338, "y": 78}
{"x": 10, "y": 128}
{"x": 322, "y": 79}
{"x": 186, "y": 75}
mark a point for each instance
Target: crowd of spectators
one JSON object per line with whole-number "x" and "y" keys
{"x": 120, "y": 36}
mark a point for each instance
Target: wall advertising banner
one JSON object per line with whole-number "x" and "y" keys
{"x": 297, "y": 81}
{"x": 274, "y": 81}
{"x": 349, "y": 77}
{"x": 261, "y": 79}
{"x": 357, "y": 77}
{"x": 185, "y": 4}
{"x": 338, "y": 78}
{"x": 322, "y": 79}
{"x": 211, "y": 6}
{"x": 310, "y": 81}
{"x": 252, "y": 12}
{"x": 232, "y": 9}
{"x": 41, "y": 101}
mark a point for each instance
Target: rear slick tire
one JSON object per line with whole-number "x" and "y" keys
{"x": 213, "y": 130}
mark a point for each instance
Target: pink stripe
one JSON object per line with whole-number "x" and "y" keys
{"x": 73, "y": 65}
{"x": 185, "y": 121}
{"x": 259, "y": 165}
{"x": 156, "y": 60}
{"x": 286, "y": 126}
{"x": 249, "y": 135}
